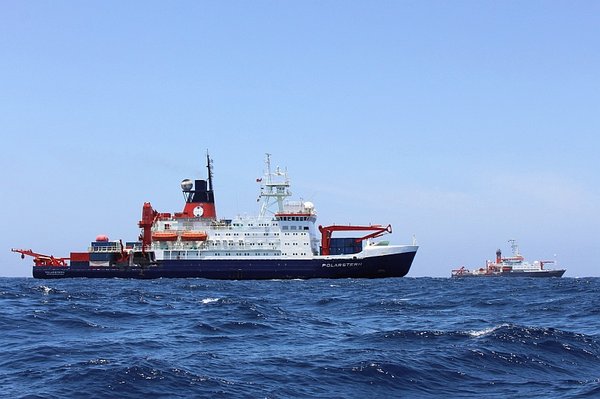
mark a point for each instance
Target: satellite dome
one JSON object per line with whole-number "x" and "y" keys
{"x": 309, "y": 205}
{"x": 187, "y": 184}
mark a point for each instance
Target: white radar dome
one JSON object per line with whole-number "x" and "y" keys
{"x": 309, "y": 205}
{"x": 187, "y": 184}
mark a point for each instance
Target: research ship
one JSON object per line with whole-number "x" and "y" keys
{"x": 512, "y": 266}
{"x": 281, "y": 242}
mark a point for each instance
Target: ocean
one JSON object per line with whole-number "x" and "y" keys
{"x": 349, "y": 338}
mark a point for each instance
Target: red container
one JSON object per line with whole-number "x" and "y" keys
{"x": 80, "y": 256}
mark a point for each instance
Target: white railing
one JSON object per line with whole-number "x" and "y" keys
{"x": 111, "y": 248}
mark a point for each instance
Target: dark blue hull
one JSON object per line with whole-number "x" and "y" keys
{"x": 393, "y": 265}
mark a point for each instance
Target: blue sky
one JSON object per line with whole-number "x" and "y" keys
{"x": 465, "y": 123}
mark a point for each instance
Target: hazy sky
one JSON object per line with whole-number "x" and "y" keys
{"x": 465, "y": 123}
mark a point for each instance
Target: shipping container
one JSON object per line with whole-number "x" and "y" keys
{"x": 345, "y": 246}
{"x": 79, "y": 265}
{"x": 103, "y": 256}
{"x": 79, "y": 257}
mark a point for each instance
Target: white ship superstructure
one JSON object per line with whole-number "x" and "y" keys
{"x": 287, "y": 231}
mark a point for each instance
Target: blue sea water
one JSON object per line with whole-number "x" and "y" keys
{"x": 386, "y": 338}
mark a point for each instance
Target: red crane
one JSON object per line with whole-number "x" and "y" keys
{"x": 148, "y": 218}
{"x": 40, "y": 259}
{"x": 378, "y": 230}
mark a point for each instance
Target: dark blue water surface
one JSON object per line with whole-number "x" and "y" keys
{"x": 387, "y": 338}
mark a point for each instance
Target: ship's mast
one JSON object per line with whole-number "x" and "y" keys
{"x": 210, "y": 174}
{"x": 514, "y": 247}
{"x": 199, "y": 196}
{"x": 274, "y": 187}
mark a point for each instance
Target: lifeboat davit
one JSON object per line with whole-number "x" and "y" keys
{"x": 164, "y": 236}
{"x": 194, "y": 236}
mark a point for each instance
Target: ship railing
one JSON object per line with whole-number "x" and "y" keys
{"x": 111, "y": 248}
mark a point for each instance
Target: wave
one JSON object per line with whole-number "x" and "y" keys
{"x": 317, "y": 338}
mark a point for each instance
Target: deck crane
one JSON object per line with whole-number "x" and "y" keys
{"x": 40, "y": 259}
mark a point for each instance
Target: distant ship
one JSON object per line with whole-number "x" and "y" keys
{"x": 513, "y": 266}
{"x": 282, "y": 242}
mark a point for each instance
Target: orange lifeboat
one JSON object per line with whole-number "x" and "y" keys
{"x": 164, "y": 236}
{"x": 194, "y": 236}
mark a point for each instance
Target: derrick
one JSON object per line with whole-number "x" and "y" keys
{"x": 326, "y": 232}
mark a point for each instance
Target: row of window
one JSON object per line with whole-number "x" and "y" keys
{"x": 252, "y": 224}
{"x": 243, "y": 254}
{"x": 194, "y": 254}
{"x": 246, "y": 234}
{"x": 264, "y": 234}
{"x": 242, "y": 243}
{"x": 257, "y": 254}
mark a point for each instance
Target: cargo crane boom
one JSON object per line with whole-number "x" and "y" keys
{"x": 41, "y": 259}
{"x": 327, "y": 231}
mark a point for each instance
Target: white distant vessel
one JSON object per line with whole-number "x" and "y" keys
{"x": 513, "y": 266}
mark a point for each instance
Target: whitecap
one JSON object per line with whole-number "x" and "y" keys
{"x": 209, "y": 300}
{"x": 485, "y": 331}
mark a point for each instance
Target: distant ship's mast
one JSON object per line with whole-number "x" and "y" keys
{"x": 274, "y": 187}
{"x": 514, "y": 247}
